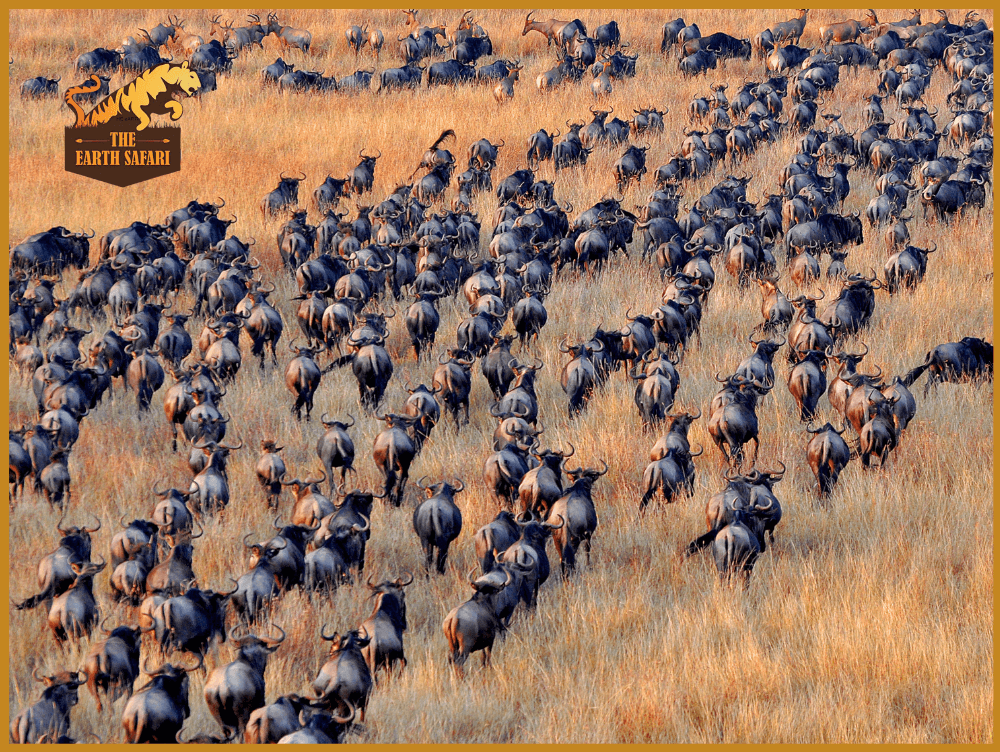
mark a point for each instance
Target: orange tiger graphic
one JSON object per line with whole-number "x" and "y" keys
{"x": 151, "y": 93}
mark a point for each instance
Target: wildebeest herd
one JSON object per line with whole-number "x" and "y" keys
{"x": 85, "y": 314}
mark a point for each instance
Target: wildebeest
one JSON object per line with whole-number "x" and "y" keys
{"x": 386, "y": 625}
{"x": 317, "y": 726}
{"x": 473, "y": 625}
{"x": 112, "y": 665}
{"x": 393, "y": 453}
{"x": 302, "y": 377}
{"x": 190, "y": 621}
{"x": 734, "y": 423}
{"x": 807, "y": 381}
{"x": 233, "y": 691}
{"x": 906, "y": 268}
{"x": 40, "y": 87}
{"x": 576, "y": 509}
{"x": 452, "y": 379}
{"x": 256, "y": 589}
{"x": 631, "y": 166}
{"x": 74, "y": 613}
{"x": 737, "y": 545}
{"x": 282, "y": 197}
{"x": 878, "y": 436}
{"x": 279, "y": 719}
{"x": 50, "y": 715}
{"x": 398, "y": 78}
{"x": 579, "y": 376}
{"x": 827, "y": 454}
{"x": 497, "y": 535}
{"x": 344, "y": 681}
{"x": 438, "y": 521}
{"x": 270, "y": 469}
{"x": 540, "y": 146}
{"x": 970, "y": 359}
{"x": 156, "y": 713}
{"x": 830, "y": 231}
{"x": 99, "y": 60}
{"x": 362, "y": 177}
{"x": 335, "y": 448}
{"x": 667, "y": 474}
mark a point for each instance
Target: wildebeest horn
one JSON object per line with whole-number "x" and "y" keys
{"x": 555, "y": 527}
{"x": 276, "y": 641}
{"x": 366, "y": 528}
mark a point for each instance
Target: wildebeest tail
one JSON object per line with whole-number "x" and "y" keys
{"x": 489, "y": 556}
{"x": 72, "y": 91}
{"x": 31, "y": 602}
{"x": 569, "y": 557}
{"x": 444, "y": 134}
{"x": 339, "y": 362}
{"x": 451, "y": 635}
{"x": 917, "y": 372}
{"x": 700, "y": 542}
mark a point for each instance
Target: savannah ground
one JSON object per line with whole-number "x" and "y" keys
{"x": 871, "y": 618}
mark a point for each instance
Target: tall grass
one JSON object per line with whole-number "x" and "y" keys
{"x": 869, "y": 620}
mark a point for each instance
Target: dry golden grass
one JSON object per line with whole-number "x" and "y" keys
{"x": 869, "y": 620}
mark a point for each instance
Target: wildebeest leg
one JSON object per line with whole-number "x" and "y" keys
{"x": 402, "y": 484}
{"x": 644, "y": 501}
{"x": 442, "y": 557}
{"x": 390, "y": 485}
{"x": 756, "y": 447}
{"x": 428, "y": 557}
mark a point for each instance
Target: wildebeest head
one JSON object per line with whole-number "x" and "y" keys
{"x": 350, "y": 641}
{"x": 588, "y": 475}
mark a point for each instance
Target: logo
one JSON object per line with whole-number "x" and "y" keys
{"x": 114, "y": 142}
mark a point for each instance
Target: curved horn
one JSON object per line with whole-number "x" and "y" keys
{"x": 555, "y": 527}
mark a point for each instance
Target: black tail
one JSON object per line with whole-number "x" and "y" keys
{"x": 339, "y": 362}
{"x": 701, "y": 542}
{"x": 444, "y": 134}
{"x": 32, "y": 601}
{"x": 916, "y": 373}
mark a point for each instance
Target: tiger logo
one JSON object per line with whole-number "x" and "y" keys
{"x": 151, "y": 93}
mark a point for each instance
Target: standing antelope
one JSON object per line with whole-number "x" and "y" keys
{"x": 790, "y": 30}
{"x": 288, "y": 36}
{"x": 504, "y": 91}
